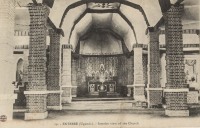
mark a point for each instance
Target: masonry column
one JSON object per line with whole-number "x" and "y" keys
{"x": 36, "y": 94}
{"x": 7, "y": 65}
{"x": 138, "y": 74}
{"x": 154, "y": 90}
{"x": 66, "y": 74}
{"x": 54, "y": 72}
{"x": 176, "y": 90}
{"x": 198, "y": 59}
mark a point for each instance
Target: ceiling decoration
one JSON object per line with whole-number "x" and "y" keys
{"x": 102, "y": 6}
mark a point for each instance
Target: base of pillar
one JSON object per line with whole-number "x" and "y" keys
{"x": 192, "y": 97}
{"x": 54, "y": 107}
{"x": 74, "y": 95}
{"x": 66, "y": 100}
{"x": 139, "y": 98}
{"x": 177, "y": 113}
{"x": 35, "y": 116}
{"x": 154, "y": 97}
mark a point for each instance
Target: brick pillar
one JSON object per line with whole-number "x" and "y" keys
{"x": 131, "y": 77}
{"x": 154, "y": 90}
{"x": 138, "y": 75}
{"x": 66, "y": 74}
{"x": 176, "y": 90}
{"x": 198, "y": 59}
{"x": 36, "y": 94}
{"x": 53, "y": 72}
{"x": 7, "y": 65}
{"x": 74, "y": 82}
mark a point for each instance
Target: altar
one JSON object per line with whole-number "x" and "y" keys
{"x": 102, "y": 83}
{"x": 102, "y": 88}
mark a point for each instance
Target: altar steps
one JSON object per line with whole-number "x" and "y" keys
{"x": 101, "y": 99}
{"x": 99, "y": 105}
{"x": 118, "y": 106}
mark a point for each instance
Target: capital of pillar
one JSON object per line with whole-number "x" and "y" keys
{"x": 153, "y": 34}
{"x": 56, "y": 32}
{"x": 67, "y": 46}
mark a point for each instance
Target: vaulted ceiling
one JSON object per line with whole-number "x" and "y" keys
{"x": 127, "y": 18}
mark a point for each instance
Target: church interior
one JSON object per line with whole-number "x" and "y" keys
{"x": 60, "y": 53}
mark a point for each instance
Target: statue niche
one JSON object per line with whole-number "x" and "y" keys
{"x": 102, "y": 75}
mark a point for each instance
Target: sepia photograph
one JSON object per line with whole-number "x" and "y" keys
{"x": 99, "y": 63}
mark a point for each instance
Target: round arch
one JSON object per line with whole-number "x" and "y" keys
{"x": 125, "y": 2}
{"x": 19, "y": 70}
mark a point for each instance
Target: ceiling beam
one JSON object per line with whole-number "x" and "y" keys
{"x": 116, "y": 11}
{"x": 82, "y": 2}
{"x": 75, "y": 22}
{"x": 102, "y": 11}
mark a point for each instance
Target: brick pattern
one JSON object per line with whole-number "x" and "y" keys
{"x": 145, "y": 70}
{"x": 125, "y": 70}
{"x": 176, "y": 100}
{"x": 174, "y": 51}
{"x": 186, "y": 31}
{"x": 36, "y": 103}
{"x": 53, "y": 99}
{"x": 53, "y": 72}
{"x": 37, "y": 47}
{"x": 74, "y": 72}
{"x": 154, "y": 61}
{"x": 175, "y": 59}
{"x": 155, "y": 97}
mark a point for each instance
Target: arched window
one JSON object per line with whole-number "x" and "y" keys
{"x": 19, "y": 71}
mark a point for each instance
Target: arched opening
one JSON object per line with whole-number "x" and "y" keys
{"x": 104, "y": 37}
{"x": 19, "y": 70}
{"x": 20, "y": 88}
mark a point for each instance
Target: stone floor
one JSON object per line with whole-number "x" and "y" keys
{"x": 105, "y": 114}
{"x": 84, "y": 119}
